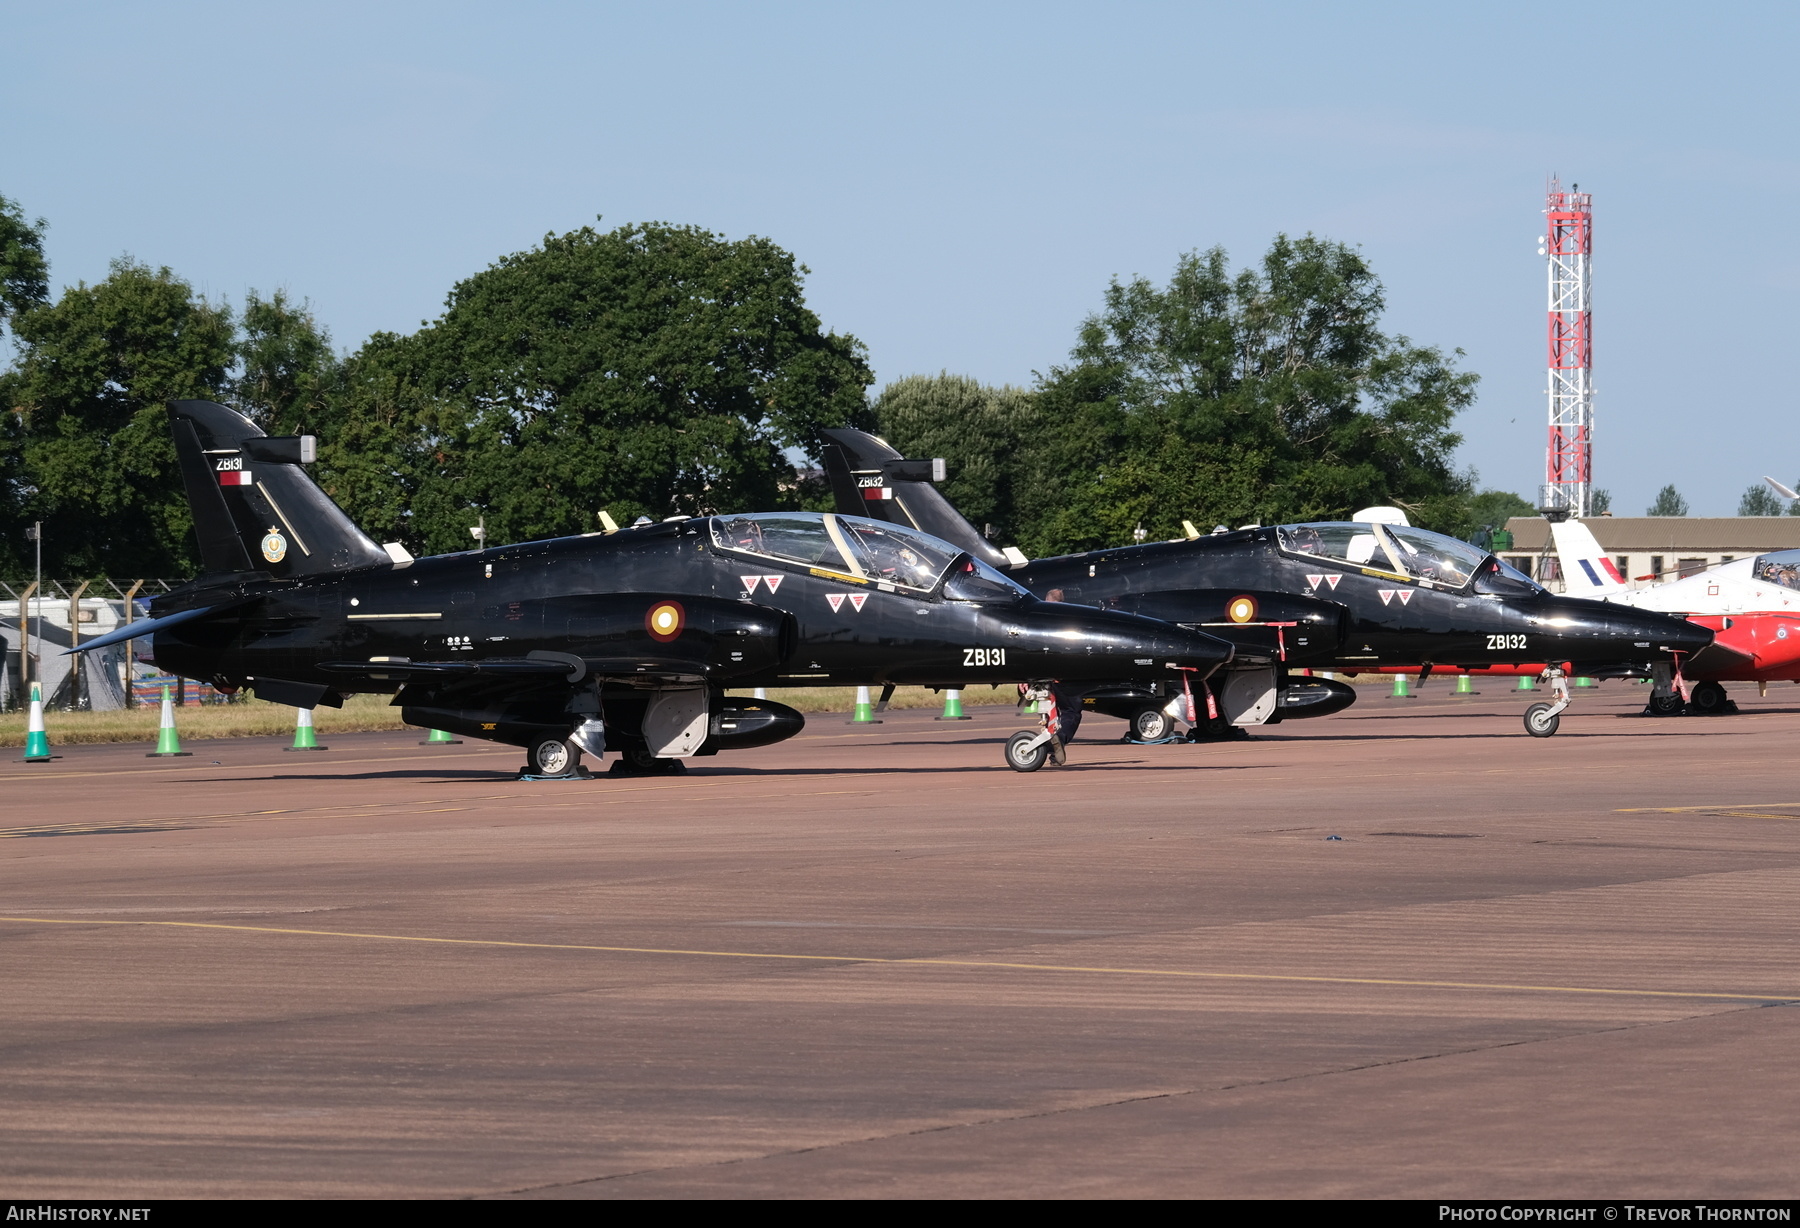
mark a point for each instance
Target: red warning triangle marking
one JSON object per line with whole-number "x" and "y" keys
{"x": 774, "y": 582}
{"x": 836, "y": 600}
{"x": 749, "y": 583}
{"x": 1404, "y": 594}
{"x": 1315, "y": 581}
{"x": 1386, "y": 595}
{"x": 857, "y": 599}
{"x": 1332, "y": 580}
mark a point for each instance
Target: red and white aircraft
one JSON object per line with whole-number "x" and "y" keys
{"x": 1752, "y": 605}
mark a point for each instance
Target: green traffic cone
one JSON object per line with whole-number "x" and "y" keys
{"x": 37, "y": 742}
{"x": 1402, "y": 689}
{"x": 167, "y": 744}
{"x": 1587, "y": 682}
{"x": 953, "y": 706}
{"x": 1465, "y": 685}
{"x": 1525, "y": 683}
{"x": 865, "y": 710}
{"x": 304, "y": 737}
{"x": 440, "y": 738}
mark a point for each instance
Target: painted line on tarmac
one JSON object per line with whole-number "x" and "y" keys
{"x": 928, "y": 961}
{"x": 1724, "y": 810}
{"x": 188, "y": 767}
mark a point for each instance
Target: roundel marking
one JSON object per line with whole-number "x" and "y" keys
{"x": 665, "y": 621}
{"x": 1241, "y": 609}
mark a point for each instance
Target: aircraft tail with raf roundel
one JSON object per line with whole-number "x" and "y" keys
{"x": 1588, "y": 571}
{"x": 255, "y": 509}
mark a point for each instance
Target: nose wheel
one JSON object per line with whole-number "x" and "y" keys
{"x": 1541, "y": 720}
{"x": 1027, "y": 751}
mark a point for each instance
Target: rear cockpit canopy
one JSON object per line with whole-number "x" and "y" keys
{"x": 885, "y": 555}
{"x": 1430, "y": 558}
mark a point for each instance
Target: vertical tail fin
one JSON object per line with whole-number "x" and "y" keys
{"x": 1587, "y": 570}
{"x": 868, "y": 478}
{"x": 254, "y": 507}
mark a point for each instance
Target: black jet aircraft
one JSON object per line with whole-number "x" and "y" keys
{"x": 625, "y": 640}
{"x": 1341, "y": 595}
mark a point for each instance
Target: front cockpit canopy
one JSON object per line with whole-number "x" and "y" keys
{"x": 1420, "y": 554}
{"x": 882, "y": 554}
{"x": 1781, "y": 567}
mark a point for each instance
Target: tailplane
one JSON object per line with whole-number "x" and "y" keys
{"x": 255, "y": 510}
{"x": 1587, "y": 569}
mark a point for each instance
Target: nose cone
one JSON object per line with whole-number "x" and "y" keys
{"x": 1594, "y": 630}
{"x": 1081, "y": 643}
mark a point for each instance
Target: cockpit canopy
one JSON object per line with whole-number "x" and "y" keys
{"x": 1421, "y": 554}
{"x": 882, "y": 554}
{"x": 1780, "y": 567}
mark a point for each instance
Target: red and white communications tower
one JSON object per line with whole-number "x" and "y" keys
{"x": 1568, "y": 242}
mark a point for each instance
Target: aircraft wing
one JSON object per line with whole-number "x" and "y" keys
{"x": 546, "y": 665}
{"x": 1717, "y": 658}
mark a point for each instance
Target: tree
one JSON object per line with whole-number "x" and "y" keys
{"x": 1599, "y": 502}
{"x": 1759, "y": 500}
{"x": 93, "y": 439}
{"x": 1668, "y": 503}
{"x": 977, "y": 429}
{"x": 24, "y": 273}
{"x": 649, "y": 370}
{"x": 286, "y": 371}
{"x": 1271, "y": 394}
{"x": 1490, "y": 510}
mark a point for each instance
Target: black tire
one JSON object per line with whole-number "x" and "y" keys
{"x": 1021, "y": 760}
{"x": 553, "y": 757}
{"x": 1665, "y": 705}
{"x": 1151, "y": 724}
{"x": 1708, "y": 699}
{"x": 1540, "y": 721}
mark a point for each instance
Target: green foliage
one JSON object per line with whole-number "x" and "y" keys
{"x": 24, "y": 274}
{"x": 1668, "y": 503}
{"x": 1599, "y": 502}
{"x": 1267, "y": 395}
{"x": 651, "y": 370}
{"x": 1759, "y": 500}
{"x": 1491, "y": 509}
{"x": 286, "y": 371}
{"x": 89, "y": 392}
{"x": 979, "y": 430}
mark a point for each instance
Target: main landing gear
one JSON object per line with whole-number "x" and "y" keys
{"x": 1541, "y": 720}
{"x": 553, "y": 759}
{"x": 1703, "y": 699}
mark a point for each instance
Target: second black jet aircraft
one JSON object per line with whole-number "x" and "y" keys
{"x": 623, "y": 641}
{"x": 1341, "y": 595}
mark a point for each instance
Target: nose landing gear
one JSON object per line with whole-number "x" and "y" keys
{"x": 1541, "y": 720}
{"x": 1027, "y": 751}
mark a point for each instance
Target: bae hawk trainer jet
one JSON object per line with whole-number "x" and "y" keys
{"x": 623, "y": 641}
{"x": 1338, "y": 595}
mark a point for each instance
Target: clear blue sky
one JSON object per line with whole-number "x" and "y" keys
{"x": 963, "y": 180}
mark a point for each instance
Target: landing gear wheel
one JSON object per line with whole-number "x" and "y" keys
{"x": 1151, "y": 724}
{"x": 1708, "y": 699}
{"x": 1666, "y": 705}
{"x": 1019, "y": 759}
{"x": 553, "y": 757}
{"x": 1540, "y": 721}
